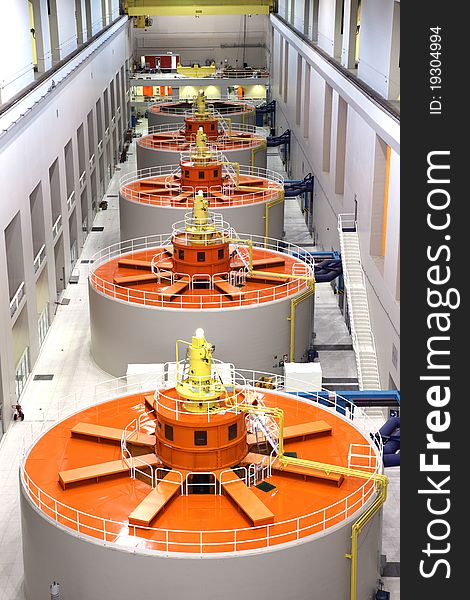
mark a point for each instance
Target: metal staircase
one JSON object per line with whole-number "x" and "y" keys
{"x": 358, "y": 306}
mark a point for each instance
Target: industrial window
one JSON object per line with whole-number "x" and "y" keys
{"x": 200, "y": 438}
{"x": 201, "y": 174}
{"x": 181, "y": 254}
{"x": 220, "y": 253}
{"x": 169, "y": 432}
{"x": 186, "y": 173}
{"x": 216, "y": 172}
{"x": 232, "y": 431}
{"x": 201, "y": 256}
{"x": 212, "y": 126}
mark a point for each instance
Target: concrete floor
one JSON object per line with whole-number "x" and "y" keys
{"x": 66, "y": 354}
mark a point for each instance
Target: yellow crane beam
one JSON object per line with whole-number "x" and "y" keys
{"x": 174, "y": 8}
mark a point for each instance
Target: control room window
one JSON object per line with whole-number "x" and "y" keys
{"x": 201, "y": 174}
{"x": 186, "y": 173}
{"x": 232, "y": 431}
{"x": 220, "y": 253}
{"x": 169, "y": 432}
{"x": 200, "y": 438}
{"x": 181, "y": 254}
{"x": 216, "y": 172}
{"x": 201, "y": 256}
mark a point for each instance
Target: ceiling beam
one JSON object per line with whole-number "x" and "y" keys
{"x": 172, "y": 8}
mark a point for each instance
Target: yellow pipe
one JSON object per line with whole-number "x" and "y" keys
{"x": 269, "y": 205}
{"x": 382, "y": 482}
{"x": 283, "y": 275}
{"x": 310, "y": 290}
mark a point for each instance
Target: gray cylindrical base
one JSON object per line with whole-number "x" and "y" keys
{"x": 148, "y": 157}
{"x": 256, "y": 335}
{"x": 138, "y": 219}
{"x": 315, "y": 569}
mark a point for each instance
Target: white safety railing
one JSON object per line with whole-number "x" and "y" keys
{"x": 153, "y": 539}
{"x": 39, "y": 258}
{"x": 211, "y": 485}
{"x": 71, "y": 200}
{"x": 224, "y": 105}
{"x": 16, "y": 300}
{"x": 233, "y": 195}
{"x": 283, "y": 289}
{"x": 362, "y": 456}
{"x": 179, "y": 128}
{"x": 56, "y": 227}
{"x": 358, "y": 306}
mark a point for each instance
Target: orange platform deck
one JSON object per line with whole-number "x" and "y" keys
{"x": 116, "y": 508}
{"x": 166, "y": 190}
{"x": 125, "y": 278}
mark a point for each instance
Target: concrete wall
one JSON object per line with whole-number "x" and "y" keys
{"x": 139, "y": 220}
{"x": 16, "y": 57}
{"x": 354, "y": 142}
{"x": 315, "y": 569}
{"x": 254, "y": 337}
{"x": 26, "y": 153}
{"x": 217, "y": 38}
{"x": 67, "y": 26}
{"x": 379, "y": 36}
{"x": 377, "y": 47}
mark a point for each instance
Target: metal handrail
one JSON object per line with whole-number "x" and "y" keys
{"x": 18, "y": 296}
{"x": 150, "y": 172}
{"x": 70, "y": 199}
{"x": 82, "y": 177}
{"x": 39, "y": 258}
{"x": 148, "y": 298}
{"x": 166, "y": 172}
{"x": 56, "y": 226}
{"x": 232, "y": 540}
{"x": 220, "y": 143}
{"x": 179, "y": 106}
{"x": 178, "y": 127}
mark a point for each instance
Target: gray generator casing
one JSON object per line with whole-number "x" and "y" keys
{"x": 313, "y": 568}
{"x": 138, "y": 219}
{"x": 125, "y": 333}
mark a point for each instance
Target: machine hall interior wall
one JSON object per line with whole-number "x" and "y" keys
{"x": 378, "y": 36}
{"x": 364, "y": 129}
{"x": 26, "y": 153}
{"x": 216, "y": 38}
{"x": 16, "y": 71}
